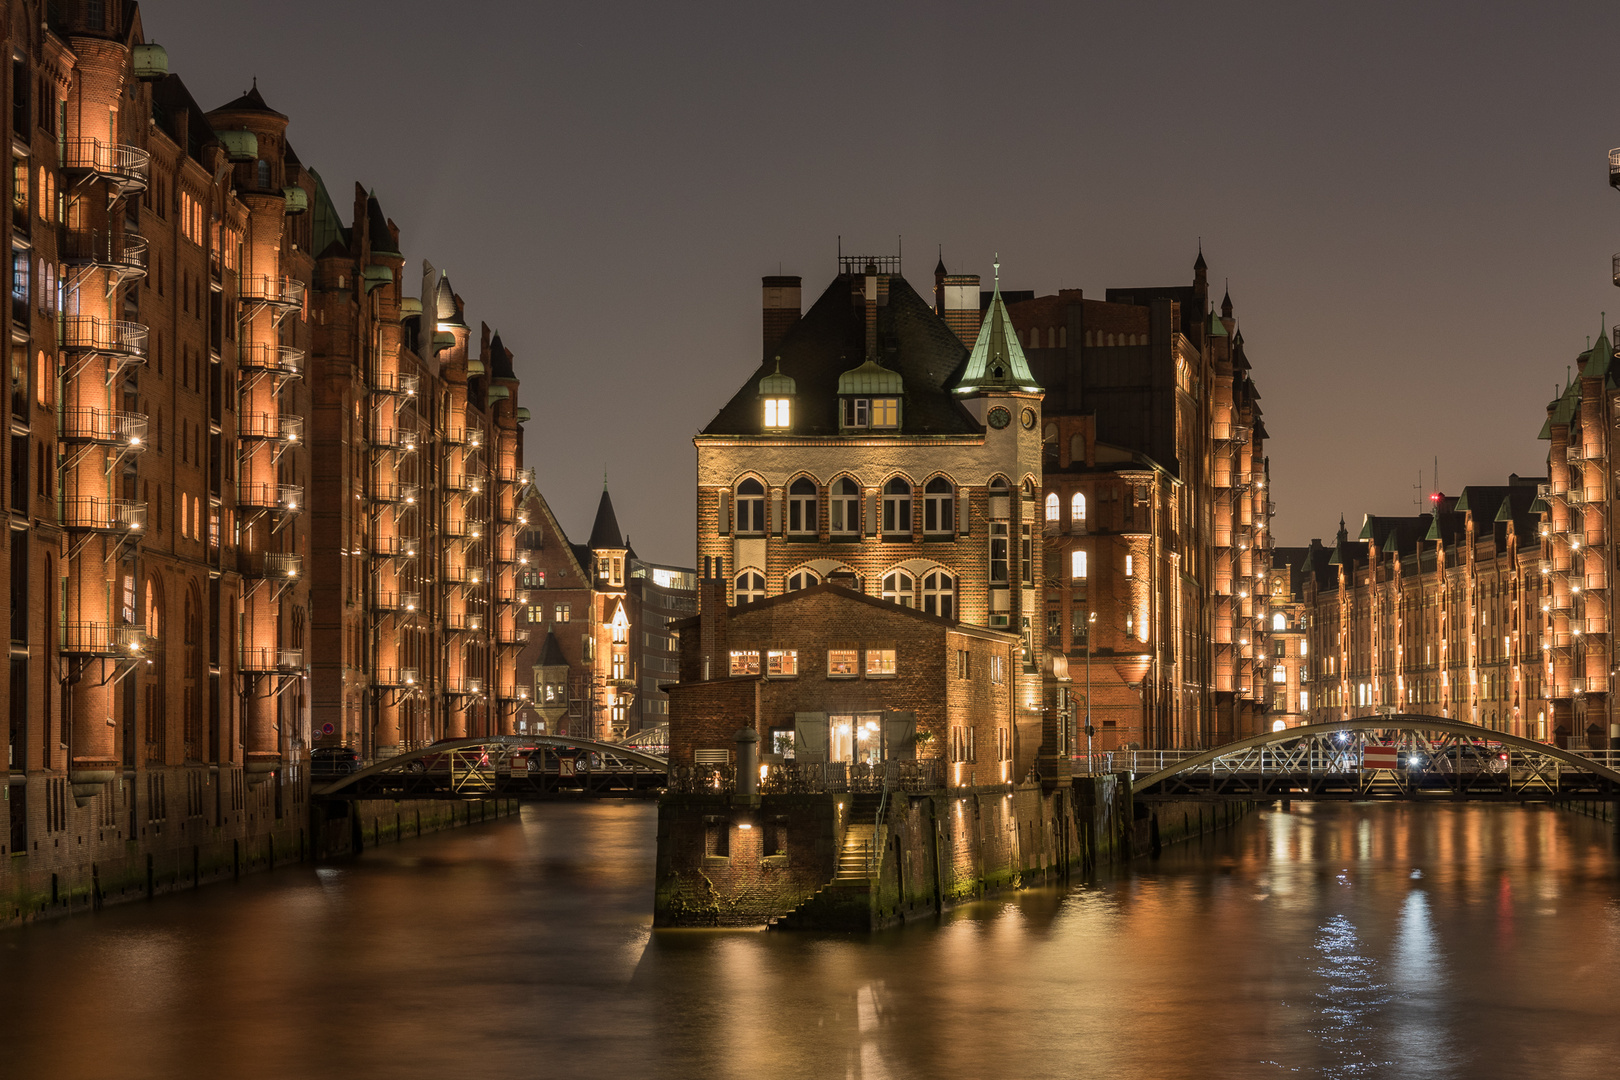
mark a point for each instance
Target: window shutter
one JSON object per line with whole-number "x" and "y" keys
{"x": 810, "y": 736}
{"x": 725, "y": 513}
{"x": 899, "y": 730}
{"x": 961, "y": 511}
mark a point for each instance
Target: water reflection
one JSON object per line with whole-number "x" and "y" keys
{"x": 1336, "y": 941}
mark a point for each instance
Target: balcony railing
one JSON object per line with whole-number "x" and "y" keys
{"x": 123, "y": 253}
{"x": 280, "y": 359}
{"x": 394, "y": 438}
{"x": 128, "y": 166}
{"x": 463, "y": 575}
{"x": 397, "y": 677}
{"x": 115, "y": 337}
{"x": 461, "y": 436}
{"x": 512, "y": 634}
{"x": 393, "y": 547}
{"x": 1616, "y": 268}
{"x": 1614, "y": 168}
{"x": 265, "y": 660}
{"x": 276, "y": 565}
{"x": 275, "y": 291}
{"x": 460, "y": 624}
{"x": 104, "y": 639}
{"x": 387, "y": 601}
{"x": 276, "y": 428}
{"x": 392, "y": 382}
{"x": 389, "y": 491}
{"x": 467, "y": 482}
{"x": 104, "y": 426}
{"x": 93, "y": 514}
{"x": 460, "y": 686}
{"x": 283, "y": 497}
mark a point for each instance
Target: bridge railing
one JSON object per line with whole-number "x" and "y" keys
{"x": 813, "y": 778}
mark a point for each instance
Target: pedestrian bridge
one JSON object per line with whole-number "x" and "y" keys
{"x": 1401, "y": 756}
{"x": 505, "y": 767}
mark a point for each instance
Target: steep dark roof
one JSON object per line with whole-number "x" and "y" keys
{"x": 551, "y": 654}
{"x": 382, "y": 238}
{"x": 250, "y": 102}
{"x": 831, "y": 339}
{"x": 605, "y": 533}
{"x": 500, "y": 359}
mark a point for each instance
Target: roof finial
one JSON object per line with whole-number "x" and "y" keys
{"x": 997, "y": 266}
{"x": 604, "y": 476}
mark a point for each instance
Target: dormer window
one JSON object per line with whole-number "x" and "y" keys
{"x": 777, "y": 412}
{"x": 878, "y": 413}
{"x": 857, "y": 412}
{"x": 885, "y": 412}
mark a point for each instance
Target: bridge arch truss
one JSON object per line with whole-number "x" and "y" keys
{"x": 505, "y": 766}
{"x": 1435, "y": 759}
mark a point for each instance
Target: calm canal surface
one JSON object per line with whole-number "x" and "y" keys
{"x": 1334, "y": 941}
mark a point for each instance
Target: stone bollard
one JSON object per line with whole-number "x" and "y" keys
{"x": 747, "y": 762}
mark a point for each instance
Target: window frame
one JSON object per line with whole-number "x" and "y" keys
{"x": 888, "y": 663}
{"x": 939, "y": 507}
{"x": 803, "y": 518}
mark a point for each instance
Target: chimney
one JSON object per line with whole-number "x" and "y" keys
{"x": 961, "y": 306}
{"x": 713, "y": 616}
{"x": 871, "y": 294}
{"x": 781, "y": 309}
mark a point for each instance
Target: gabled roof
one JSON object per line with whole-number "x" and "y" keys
{"x": 912, "y": 342}
{"x": 382, "y": 238}
{"x": 500, "y": 359}
{"x": 605, "y": 532}
{"x": 997, "y": 360}
{"x": 328, "y": 226}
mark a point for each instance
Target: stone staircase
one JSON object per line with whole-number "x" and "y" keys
{"x": 845, "y": 901}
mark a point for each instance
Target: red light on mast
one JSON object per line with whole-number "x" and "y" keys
{"x": 1435, "y": 498}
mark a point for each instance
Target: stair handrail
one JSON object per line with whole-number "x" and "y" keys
{"x": 874, "y": 854}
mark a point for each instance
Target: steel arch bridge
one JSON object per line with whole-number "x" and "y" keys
{"x": 1435, "y": 759}
{"x": 506, "y": 767}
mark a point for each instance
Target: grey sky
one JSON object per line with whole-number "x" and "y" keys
{"x": 1409, "y": 199}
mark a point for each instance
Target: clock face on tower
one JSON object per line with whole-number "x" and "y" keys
{"x": 1028, "y": 419}
{"x": 999, "y": 417}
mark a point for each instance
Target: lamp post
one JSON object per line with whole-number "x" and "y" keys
{"x": 1091, "y": 618}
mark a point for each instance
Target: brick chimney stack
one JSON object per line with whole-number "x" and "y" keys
{"x": 961, "y": 305}
{"x": 782, "y": 309}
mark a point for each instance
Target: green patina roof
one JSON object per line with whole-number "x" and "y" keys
{"x": 1597, "y": 361}
{"x": 870, "y": 378}
{"x": 997, "y": 360}
{"x": 777, "y": 384}
{"x": 1563, "y": 410}
{"x": 1539, "y": 507}
{"x": 1392, "y": 545}
{"x": 1366, "y": 528}
{"x": 328, "y": 225}
{"x": 1216, "y": 328}
{"x": 1505, "y": 511}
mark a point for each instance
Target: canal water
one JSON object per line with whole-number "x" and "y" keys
{"x": 1331, "y": 941}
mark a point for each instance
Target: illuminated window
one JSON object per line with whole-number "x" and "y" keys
{"x": 939, "y": 506}
{"x": 1077, "y": 565}
{"x": 782, "y": 662}
{"x": 776, "y": 412}
{"x": 750, "y": 506}
{"x": 900, "y": 588}
{"x": 1279, "y": 674}
{"x": 846, "y": 506}
{"x": 1279, "y": 622}
{"x": 744, "y": 662}
{"x": 939, "y": 595}
{"x": 561, "y": 612}
{"x": 750, "y": 587}
{"x": 880, "y": 662}
{"x": 802, "y": 506}
{"x": 618, "y": 667}
{"x": 897, "y": 506}
{"x": 1052, "y": 507}
{"x": 885, "y": 412}
{"x": 998, "y": 668}
{"x": 1304, "y": 701}
{"x": 1077, "y": 508}
{"x": 843, "y": 663}
{"x": 1130, "y": 566}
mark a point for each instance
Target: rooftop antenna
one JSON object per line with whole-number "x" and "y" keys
{"x": 604, "y": 476}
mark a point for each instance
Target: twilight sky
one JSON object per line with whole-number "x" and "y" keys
{"x": 1409, "y": 199}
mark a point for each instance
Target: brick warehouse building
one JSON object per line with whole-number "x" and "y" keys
{"x": 184, "y": 306}
{"x": 888, "y": 448}
{"x": 1154, "y": 508}
{"x": 600, "y": 647}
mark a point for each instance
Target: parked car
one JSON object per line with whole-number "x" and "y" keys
{"x": 329, "y": 762}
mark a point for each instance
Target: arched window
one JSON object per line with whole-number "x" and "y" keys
{"x": 1052, "y": 507}
{"x": 897, "y": 506}
{"x": 264, "y": 175}
{"x": 802, "y": 506}
{"x": 750, "y": 587}
{"x": 1279, "y": 622}
{"x": 750, "y": 506}
{"x": 900, "y": 588}
{"x": 154, "y": 616}
{"x": 801, "y": 579}
{"x": 939, "y": 594}
{"x": 939, "y": 506}
{"x": 1077, "y": 509}
{"x": 1077, "y": 565}
{"x": 846, "y": 506}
